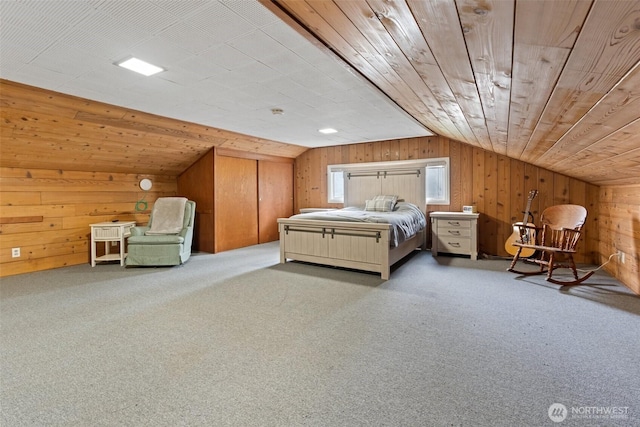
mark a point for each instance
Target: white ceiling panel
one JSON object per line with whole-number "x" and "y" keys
{"x": 56, "y": 58}
{"x": 185, "y": 77}
{"x": 252, "y": 11}
{"x": 121, "y": 34}
{"x": 288, "y": 37}
{"x": 189, "y": 37}
{"x": 142, "y": 14}
{"x": 182, "y": 9}
{"x": 159, "y": 52}
{"x": 220, "y": 21}
{"x": 15, "y": 37}
{"x": 226, "y": 57}
{"x": 251, "y": 73}
{"x": 70, "y": 12}
{"x": 27, "y": 17}
{"x": 15, "y": 57}
{"x": 105, "y": 79}
{"x": 229, "y": 63}
{"x": 258, "y": 46}
{"x": 38, "y": 76}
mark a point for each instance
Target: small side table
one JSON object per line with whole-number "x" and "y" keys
{"x": 110, "y": 232}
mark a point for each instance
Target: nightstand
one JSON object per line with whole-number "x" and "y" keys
{"x": 110, "y": 232}
{"x": 455, "y": 233}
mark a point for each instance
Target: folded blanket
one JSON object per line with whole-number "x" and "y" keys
{"x": 167, "y": 215}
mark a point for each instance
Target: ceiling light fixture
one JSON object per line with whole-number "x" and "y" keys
{"x": 327, "y": 131}
{"x": 139, "y": 66}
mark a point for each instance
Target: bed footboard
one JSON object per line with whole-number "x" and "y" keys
{"x": 362, "y": 246}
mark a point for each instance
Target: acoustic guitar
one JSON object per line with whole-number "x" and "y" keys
{"x": 527, "y": 236}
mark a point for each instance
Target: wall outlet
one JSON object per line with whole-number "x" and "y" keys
{"x": 15, "y": 252}
{"x": 621, "y": 257}
{"x": 114, "y": 243}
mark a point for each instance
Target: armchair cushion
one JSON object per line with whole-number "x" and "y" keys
{"x": 161, "y": 239}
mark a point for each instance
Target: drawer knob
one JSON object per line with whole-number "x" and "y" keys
{"x": 455, "y": 244}
{"x": 453, "y": 222}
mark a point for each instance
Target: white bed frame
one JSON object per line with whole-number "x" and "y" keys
{"x": 362, "y": 246}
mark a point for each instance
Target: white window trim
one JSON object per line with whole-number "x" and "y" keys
{"x": 441, "y": 162}
{"x": 420, "y": 163}
{"x": 331, "y": 196}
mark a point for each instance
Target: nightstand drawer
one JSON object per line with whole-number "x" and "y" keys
{"x": 114, "y": 231}
{"x": 106, "y": 232}
{"x": 445, "y": 232}
{"x": 454, "y": 245}
{"x": 454, "y": 223}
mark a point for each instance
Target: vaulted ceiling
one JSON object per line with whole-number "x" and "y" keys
{"x": 554, "y": 83}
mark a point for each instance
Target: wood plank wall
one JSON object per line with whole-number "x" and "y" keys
{"x": 42, "y": 129}
{"x": 497, "y": 185}
{"x": 620, "y": 230}
{"x": 46, "y": 213}
{"x": 52, "y": 147}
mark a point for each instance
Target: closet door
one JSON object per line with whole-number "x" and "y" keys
{"x": 275, "y": 197}
{"x": 236, "y": 203}
{"x": 196, "y": 183}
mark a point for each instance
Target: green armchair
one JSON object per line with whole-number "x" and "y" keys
{"x": 149, "y": 247}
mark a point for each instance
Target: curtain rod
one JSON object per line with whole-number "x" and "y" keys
{"x": 384, "y": 174}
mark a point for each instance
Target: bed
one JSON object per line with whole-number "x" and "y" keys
{"x": 365, "y": 235}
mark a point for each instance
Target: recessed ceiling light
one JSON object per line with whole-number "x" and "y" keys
{"x": 327, "y": 130}
{"x": 139, "y": 66}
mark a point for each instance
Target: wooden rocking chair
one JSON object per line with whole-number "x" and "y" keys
{"x": 556, "y": 242}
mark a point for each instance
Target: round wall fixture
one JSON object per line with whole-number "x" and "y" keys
{"x": 146, "y": 184}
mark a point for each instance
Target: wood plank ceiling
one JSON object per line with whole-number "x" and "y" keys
{"x": 555, "y": 83}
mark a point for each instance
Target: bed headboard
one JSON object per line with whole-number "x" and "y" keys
{"x": 407, "y": 182}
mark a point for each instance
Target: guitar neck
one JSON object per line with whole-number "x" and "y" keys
{"x": 532, "y": 195}
{"x": 526, "y": 212}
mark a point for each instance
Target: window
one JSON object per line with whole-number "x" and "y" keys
{"x": 436, "y": 176}
{"x": 335, "y": 185}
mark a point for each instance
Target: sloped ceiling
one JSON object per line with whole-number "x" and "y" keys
{"x": 554, "y": 83}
